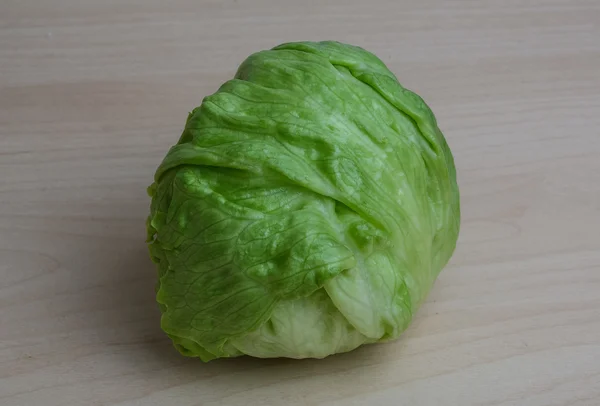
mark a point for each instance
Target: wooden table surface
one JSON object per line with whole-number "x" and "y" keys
{"x": 92, "y": 93}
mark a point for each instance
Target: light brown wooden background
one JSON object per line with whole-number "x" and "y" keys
{"x": 92, "y": 93}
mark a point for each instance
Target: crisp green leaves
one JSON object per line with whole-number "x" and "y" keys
{"x": 307, "y": 208}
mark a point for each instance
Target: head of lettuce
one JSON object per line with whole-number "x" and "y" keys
{"x": 307, "y": 208}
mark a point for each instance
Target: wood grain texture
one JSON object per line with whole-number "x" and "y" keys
{"x": 92, "y": 93}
